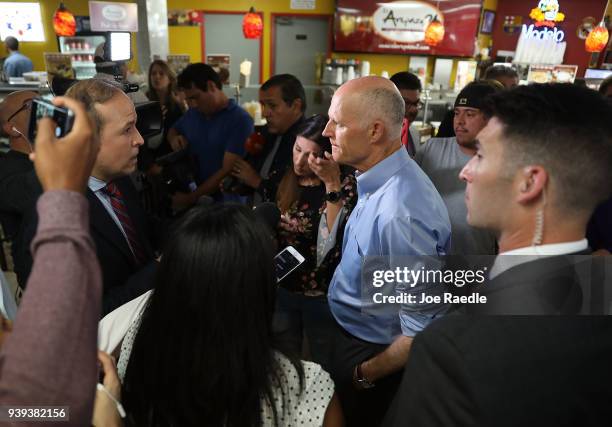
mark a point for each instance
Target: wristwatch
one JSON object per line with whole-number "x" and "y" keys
{"x": 333, "y": 196}
{"x": 362, "y": 381}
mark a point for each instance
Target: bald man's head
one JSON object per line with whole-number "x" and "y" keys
{"x": 365, "y": 122}
{"x": 15, "y": 113}
{"x": 376, "y": 98}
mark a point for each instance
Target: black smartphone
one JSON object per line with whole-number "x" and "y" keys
{"x": 63, "y": 117}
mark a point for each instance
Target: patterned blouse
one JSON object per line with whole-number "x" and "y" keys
{"x": 301, "y": 231}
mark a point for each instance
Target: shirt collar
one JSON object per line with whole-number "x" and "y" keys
{"x": 503, "y": 262}
{"x": 374, "y": 178}
{"x": 95, "y": 184}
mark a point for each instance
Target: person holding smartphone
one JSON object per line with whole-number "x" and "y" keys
{"x": 312, "y": 185}
{"x": 50, "y": 355}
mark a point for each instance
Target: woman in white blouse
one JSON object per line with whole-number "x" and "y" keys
{"x": 201, "y": 350}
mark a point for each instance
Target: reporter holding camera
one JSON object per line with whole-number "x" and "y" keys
{"x": 50, "y": 356}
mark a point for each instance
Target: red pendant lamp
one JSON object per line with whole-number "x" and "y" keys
{"x": 64, "y": 23}
{"x": 252, "y": 25}
{"x": 597, "y": 39}
{"x": 434, "y": 33}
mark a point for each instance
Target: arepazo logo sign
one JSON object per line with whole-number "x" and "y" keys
{"x": 404, "y": 21}
{"x": 113, "y": 16}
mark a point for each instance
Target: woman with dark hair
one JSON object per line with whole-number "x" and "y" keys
{"x": 201, "y": 353}
{"x": 162, "y": 88}
{"x": 303, "y": 196}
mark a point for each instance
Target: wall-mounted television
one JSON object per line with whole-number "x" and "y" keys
{"x": 22, "y": 21}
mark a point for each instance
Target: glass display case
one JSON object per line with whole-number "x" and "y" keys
{"x": 82, "y": 48}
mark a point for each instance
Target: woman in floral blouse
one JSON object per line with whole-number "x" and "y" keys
{"x": 312, "y": 188}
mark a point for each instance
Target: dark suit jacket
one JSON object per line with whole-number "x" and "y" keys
{"x": 19, "y": 190}
{"x": 123, "y": 279}
{"x": 548, "y": 285}
{"x": 282, "y": 160}
{"x": 511, "y": 370}
{"x": 599, "y": 229}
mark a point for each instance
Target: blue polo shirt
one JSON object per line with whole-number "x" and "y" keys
{"x": 210, "y": 137}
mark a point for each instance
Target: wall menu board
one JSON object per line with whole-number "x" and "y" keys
{"x": 399, "y": 26}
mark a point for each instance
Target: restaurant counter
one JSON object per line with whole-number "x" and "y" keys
{"x": 6, "y": 89}
{"x": 318, "y": 99}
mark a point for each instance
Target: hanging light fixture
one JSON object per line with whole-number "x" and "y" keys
{"x": 597, "y": 39}
{"x": 64, "y": 23}
{"x": 252, "y": 25}
{"x": 434, "y": 33}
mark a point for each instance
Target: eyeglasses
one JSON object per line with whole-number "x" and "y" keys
{"x": 417, "y": 104}
{"x": 27, "y": 104}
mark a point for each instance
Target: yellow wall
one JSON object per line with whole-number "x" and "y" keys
{"x": 35, "y": 50}
{"x": 194, "y": 43}
{"x": 484, "y": 40}
{"x": 185, "y": 40}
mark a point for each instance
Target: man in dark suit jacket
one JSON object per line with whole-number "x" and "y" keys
{"x": 541, "y": 168}
{"x": 19, "y": 186}
{"x": 119, "y": 226}
{"x": 284, "y": 102}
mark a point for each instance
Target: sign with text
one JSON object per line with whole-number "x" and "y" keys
{"x": 401, "y": 26}
{"x": 107, "y": 16}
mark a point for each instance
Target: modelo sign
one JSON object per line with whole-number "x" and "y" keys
{"x": 399, "y": 26}
{"x": 404, "y": 21}
{"x": 106, "y": 16}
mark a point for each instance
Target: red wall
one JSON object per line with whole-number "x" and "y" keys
{"x": 574, "y": 10}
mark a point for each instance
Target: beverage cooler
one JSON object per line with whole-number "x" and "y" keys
{"x": 82, "y": 48}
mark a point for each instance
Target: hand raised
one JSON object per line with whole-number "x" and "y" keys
{"x": 65, "y": 163}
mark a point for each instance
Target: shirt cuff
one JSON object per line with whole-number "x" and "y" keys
{"x": 63, "y": 209}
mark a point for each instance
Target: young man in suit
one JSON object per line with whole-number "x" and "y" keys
{"x": 542, "y": 165}
{"x": 120, "y": 228}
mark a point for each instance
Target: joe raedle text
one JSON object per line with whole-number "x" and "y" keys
{"x": 425, "y": 298}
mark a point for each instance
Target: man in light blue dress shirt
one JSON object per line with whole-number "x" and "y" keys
{"x": 16, "y": 63}
{"x": 399, "y": 213}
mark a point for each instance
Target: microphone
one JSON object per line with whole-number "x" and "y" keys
{"x": 268, "y": 213}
